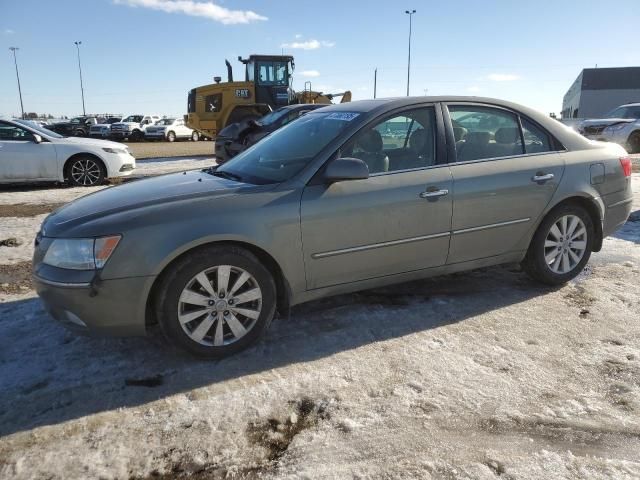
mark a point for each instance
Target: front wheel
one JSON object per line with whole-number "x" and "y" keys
{"x": 216, "y": 301}
{"x": 85, "y": 172}
{"x": 633, "y": 144}
{"x": 195, "y": 137}
{"x": 136, "y": 136}
{"x": 561, "y": 246}
{"x": 171, "y": 137}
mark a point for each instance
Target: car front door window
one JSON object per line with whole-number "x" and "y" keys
{"x": 401, "y": 142}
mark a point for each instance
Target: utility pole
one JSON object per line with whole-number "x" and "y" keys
{"x": 15, "y": 61}
{"x": 84, "y": 112}
{"x": 410, "y": 13}
{"x": 375, "y": 82}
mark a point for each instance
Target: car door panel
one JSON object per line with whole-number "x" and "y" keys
{"x": 24, "y": 159}
{"x": 355, "y": 230}
{"x": 497, "y": 201}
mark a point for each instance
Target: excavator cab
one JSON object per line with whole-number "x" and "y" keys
{"x": 271, "y": 75}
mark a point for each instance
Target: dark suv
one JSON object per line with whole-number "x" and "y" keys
{"x": 76, "y": 127}
{"x": 237, "y": 137}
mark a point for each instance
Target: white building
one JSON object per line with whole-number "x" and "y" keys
{"x": 597, "y": 91}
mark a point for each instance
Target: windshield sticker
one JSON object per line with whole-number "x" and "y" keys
{"x": 344, "y": 116}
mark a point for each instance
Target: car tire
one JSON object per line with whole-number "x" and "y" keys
{"x": 633, "y": 143}
{"x": 171, "y": 137}
{"x": 85, "y": 171}
{"x": 195, "y": 136}
{"x": 136, "y": 136}
{"x": 197, "y": 317}
{"x": 561, "y": 246}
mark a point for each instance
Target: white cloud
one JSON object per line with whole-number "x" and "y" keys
{"x": 197, "y": 9}
{"x": 473, "y": 89}
{"x": 8, "y": 31}
{"x": 310, "y": 73}
{"x": 503, "y": 77}
{"x": 298, "y": 35}
{"x": 308, "y": 45}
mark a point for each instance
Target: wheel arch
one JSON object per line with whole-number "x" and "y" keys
{"x": 75, "y": 156}
{"x": 283, "y": 289}
{"x": 591, "y": 206}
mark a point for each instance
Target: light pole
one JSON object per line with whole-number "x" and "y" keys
{"x": 80, "y": 70}
{"x": 410, "y": 13}
{"x": 15, "y": 61}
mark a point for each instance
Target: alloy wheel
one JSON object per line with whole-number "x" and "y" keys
{"x": 565, "y": 244}
{"x": 85, "y": 172}
{"x": 219, "y": 305}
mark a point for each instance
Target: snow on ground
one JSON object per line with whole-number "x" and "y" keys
{"x": 477, "y": 375}
{"x": 24, "y": 230}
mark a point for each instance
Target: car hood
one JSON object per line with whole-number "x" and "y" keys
{"x": 605, "y": 121}
{"x": 140, "y": 194}
{"x": 89, "y": 142}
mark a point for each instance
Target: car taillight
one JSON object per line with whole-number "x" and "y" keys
{"x": 626, "y": 166}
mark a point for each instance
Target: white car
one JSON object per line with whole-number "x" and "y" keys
{"x": 170, "y": 129}
{"x": 31, "y": 153}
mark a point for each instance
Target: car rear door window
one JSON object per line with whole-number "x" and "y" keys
{"x": 484, "y": 132}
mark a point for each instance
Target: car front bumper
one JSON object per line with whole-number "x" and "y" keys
{"x": 155, "y": 136}
{"x": 119, "y": 164}
{"x": 104, "y": 307}
{"x": 619, "y": 137}
{"x": 120, "y": 134}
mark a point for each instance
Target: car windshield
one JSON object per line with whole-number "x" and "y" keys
{"x": 273, "y": 117}
{"x": 40, "y": 130}
{"x": 133, "y": 119}
{"x": 625, "y": 112}
{"x": 287, "y": 151}
{"x": 166, "y": 121}
{"x": 112, "y": 120}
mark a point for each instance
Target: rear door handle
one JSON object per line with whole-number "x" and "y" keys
{"x": 434, "y": 193}
{"x": 542, "y": 177}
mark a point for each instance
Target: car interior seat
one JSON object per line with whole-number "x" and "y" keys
{"x": 373, "y": 155}
{"x": 474, "y": 146}
{"x": 508, "y": 142}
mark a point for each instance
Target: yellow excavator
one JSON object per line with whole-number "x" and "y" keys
{"x": 266, "y": 87}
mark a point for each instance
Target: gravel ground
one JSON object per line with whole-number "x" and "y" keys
{"x": 480, "y": 375}
{"x": 166, "y": 149}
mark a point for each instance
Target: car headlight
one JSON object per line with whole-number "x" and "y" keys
{"x": 616, "y": 128}
{"x": 115, "y": 150}
{"x": 81, "y": 253}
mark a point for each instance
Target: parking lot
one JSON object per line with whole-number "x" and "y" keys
{"x": 142, "y": 150}
{"x": 475, "y": 375}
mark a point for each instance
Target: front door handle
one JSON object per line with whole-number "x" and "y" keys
{"x": 434, "y": 193}
{"x": 542, "y": 177}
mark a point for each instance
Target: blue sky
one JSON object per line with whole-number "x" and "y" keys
{"x": 144, "y": 55}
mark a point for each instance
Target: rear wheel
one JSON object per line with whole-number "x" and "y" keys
{"x": 633, "y": 144}
{"x": 216, "y": 301}
{"x": 561, "y": 246}
{"x": 171, "y": 137}
{"x": 85, "y": 172}
{"x": 195, "y": 136}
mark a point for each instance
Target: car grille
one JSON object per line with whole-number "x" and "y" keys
{"x": 594, "y": 129}
{"x": 119, "y": 128}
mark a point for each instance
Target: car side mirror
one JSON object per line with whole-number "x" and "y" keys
{"x": 342, "y": 169}
{"x": 37, "y": 138}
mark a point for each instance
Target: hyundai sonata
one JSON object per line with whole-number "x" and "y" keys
{"x": 349, "y": 197}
